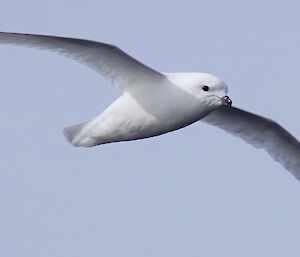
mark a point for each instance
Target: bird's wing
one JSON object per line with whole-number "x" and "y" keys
{"x": 261, "y": 133}
{"x": 111, "y": 62}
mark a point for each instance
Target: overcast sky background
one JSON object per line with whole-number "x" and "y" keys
{"x": 194, "y": 192}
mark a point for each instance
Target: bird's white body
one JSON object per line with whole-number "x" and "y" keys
{"x": 168, "y": 105}
{"x": 154, "y": 103}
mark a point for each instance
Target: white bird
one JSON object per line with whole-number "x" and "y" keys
{"x": 155, "y": 103}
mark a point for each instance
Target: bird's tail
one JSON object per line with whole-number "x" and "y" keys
{"x": 72, "y": 133}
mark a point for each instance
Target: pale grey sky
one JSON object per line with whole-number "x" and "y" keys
{"x": 194, "y": 192}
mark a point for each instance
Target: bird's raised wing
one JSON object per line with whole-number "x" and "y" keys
{"x": 111, "y": 62}
{"x": 261, "y": 133}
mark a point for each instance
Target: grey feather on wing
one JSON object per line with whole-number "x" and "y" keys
{"x": 261, "y": 133}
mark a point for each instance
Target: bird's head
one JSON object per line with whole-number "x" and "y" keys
{"x": 208, "y": 88}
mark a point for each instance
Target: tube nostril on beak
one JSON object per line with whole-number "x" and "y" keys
{"x": 226, "y": 100}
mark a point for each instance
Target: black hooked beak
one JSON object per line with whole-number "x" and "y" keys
{"x": 226, "y": 100}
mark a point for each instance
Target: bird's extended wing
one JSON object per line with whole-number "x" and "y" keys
{"x": 111, "y": 62}
{"x": 261, "y": 133}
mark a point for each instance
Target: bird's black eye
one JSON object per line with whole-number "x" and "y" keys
{"x": 205, "y": 88}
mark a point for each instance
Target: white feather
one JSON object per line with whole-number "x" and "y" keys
{"x": 111, "y": 62}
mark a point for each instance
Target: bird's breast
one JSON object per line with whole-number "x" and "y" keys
{"x": 131, "y": 117}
